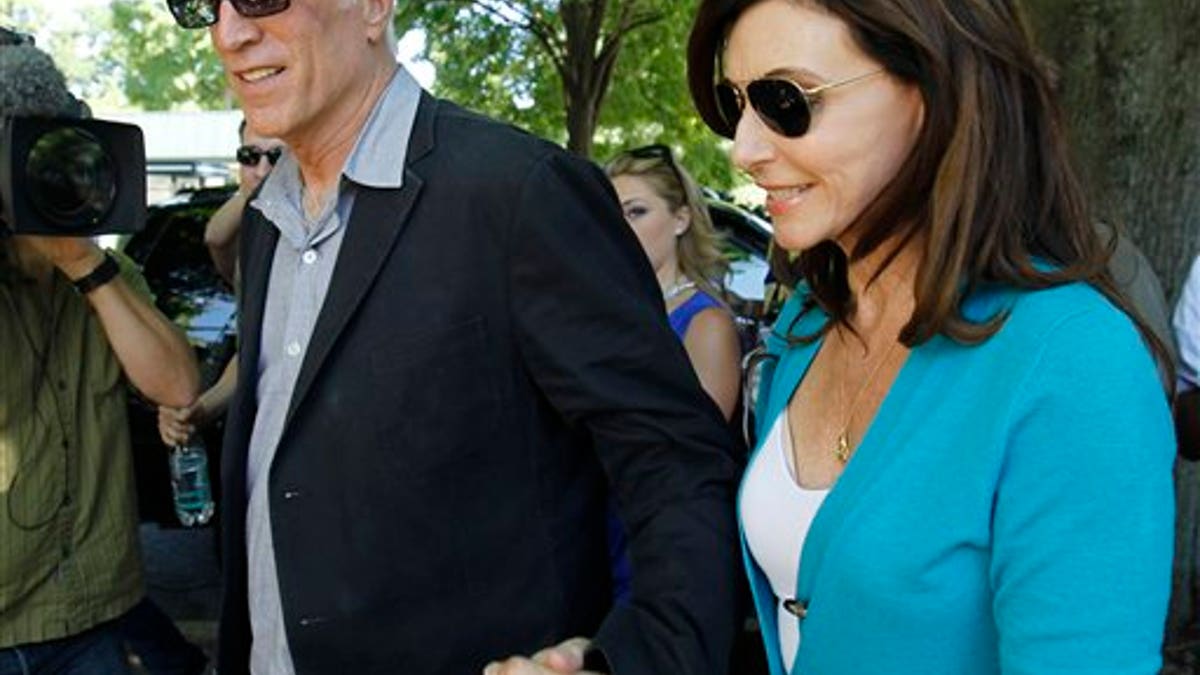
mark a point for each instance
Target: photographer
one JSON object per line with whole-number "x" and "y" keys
{"x": 75, "y": 324}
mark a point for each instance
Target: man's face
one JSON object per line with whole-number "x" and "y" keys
{"x": 251, "y": 176}
{"x": 297, "y": 72}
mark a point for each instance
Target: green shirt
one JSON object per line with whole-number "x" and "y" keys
{"x": 69, "y": 552}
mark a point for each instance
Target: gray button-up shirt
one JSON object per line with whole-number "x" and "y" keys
{"x": 303, "y": 265}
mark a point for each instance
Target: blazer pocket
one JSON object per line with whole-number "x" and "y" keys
{"x": 436, "y": 399}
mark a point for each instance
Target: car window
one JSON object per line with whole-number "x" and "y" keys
{"x": 181, "y": 274}
{"x": 746, "y": 241}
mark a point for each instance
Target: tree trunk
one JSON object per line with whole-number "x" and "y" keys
{"x": 1129, "y": 85}
{"x": 581, "y": 123}
{"x": 1182, "y": 645}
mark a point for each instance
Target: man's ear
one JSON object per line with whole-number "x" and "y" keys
{"x": 378, "y": 16}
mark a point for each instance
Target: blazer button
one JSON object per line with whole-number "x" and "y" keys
{"x": 289, "y": 495}
{"x": 795, "y": 608}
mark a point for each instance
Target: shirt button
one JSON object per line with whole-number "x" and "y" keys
{"x": 309, "y": 257}
{"x": 293, "y": 348}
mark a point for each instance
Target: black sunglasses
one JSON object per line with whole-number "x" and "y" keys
{"x": 784, "y": 106}
{"x": 251, "y": 155}
{"x": 203, "y": 13}
{"x": 661, "y": 152}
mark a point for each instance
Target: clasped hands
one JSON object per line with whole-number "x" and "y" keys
{"x": 563, "y": 658}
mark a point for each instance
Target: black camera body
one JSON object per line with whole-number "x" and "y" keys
{"x": 71, "y": 177}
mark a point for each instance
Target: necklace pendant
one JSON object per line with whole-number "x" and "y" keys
{"x": 842, "y": 451}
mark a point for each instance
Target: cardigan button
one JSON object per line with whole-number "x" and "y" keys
{"x": 795, "y": 608}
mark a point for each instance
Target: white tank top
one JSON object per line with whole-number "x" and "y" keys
{"x": 776, "y": 514}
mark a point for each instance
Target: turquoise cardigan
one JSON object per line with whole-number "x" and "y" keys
{"x": 1010, "y": 509}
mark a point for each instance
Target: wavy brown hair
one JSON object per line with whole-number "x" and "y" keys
{"x": 988, "y": 188}
{"x": 699, "y": 247}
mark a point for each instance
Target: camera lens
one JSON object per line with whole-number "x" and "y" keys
{"x": 70, "y": 178}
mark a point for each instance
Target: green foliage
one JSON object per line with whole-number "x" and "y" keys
{"x": 487, "y": 59}
{"x": 74, "y": 44}
{"x": 165, "y": 67}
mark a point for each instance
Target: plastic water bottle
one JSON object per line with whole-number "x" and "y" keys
{"x": 189, "y": 483}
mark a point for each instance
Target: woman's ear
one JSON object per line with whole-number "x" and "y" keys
{"x": 683, "y": 220}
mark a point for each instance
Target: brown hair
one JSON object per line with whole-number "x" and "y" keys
{"x": 699, "y": 247}
{"x": 988, "y": 187}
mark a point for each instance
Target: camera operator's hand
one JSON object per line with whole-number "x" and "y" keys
{"x": 75, "y": 256}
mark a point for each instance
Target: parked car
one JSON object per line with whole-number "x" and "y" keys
{"x": 189, "y": 291}
{"x": 747, "y": 238}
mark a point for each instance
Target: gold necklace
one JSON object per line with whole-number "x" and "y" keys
{"x": 842, "y": 449}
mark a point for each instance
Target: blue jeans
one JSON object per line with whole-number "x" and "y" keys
{"x": 96, "y": 651}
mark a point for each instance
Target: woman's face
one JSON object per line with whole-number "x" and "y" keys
{"x": 860, "y": 133}
{"x": 652, "y": 219}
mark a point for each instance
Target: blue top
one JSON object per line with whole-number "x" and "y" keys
{"x": 682, "y": 316}
{"x": 1010, "y": 509}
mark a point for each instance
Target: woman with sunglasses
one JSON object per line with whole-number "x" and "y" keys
{"x": 966, "y": 454}
{"x": 666, "y": 210}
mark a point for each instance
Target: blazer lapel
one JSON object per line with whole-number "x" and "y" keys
{"x": 376, "y": 221}
{"x": 256, "y": 263}
{"x": 378, "y": 218}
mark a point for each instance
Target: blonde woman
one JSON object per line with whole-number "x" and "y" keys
{"x": 664, "y": 207}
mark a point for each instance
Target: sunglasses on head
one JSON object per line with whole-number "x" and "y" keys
{"x": 660, "y": 152}
{"x": 203, "y": 13}
{"x": 784, "y": 106}
{"x": 251, "y": 155}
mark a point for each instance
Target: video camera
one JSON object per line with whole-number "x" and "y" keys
{"x": 71, "y": 177}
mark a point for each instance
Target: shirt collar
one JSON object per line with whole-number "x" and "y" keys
{"x": 379, "y": 155}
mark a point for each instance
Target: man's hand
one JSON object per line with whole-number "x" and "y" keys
{"x": 176, "y": 425}
{"x": 75, "y": 256}
{"x": 565, "y": 657}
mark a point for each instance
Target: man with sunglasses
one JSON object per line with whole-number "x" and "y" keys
{"x": 453, "y": 348}
{"x": 256, "y": 156}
